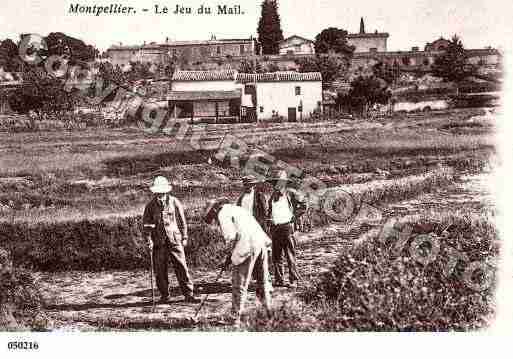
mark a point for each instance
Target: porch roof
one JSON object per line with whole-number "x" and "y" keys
{"x": 203, "y": 95}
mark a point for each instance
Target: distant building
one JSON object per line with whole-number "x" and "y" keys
{"x": 297, "y": 45}
{"x": 368, "y": 42}
{"x": 438, "y": 45}
{"x": 183, "y": 51}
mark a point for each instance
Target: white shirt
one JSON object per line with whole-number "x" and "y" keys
{"x": 235, "y": 220}
{"x": 281, "y": 212}
{"x": 247, "y": 200}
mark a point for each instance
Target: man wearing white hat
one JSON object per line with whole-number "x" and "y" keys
{"x": 165, "y": 229}
{"x": 248, "y": 248}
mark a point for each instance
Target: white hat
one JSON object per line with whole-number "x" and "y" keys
{"x": 281, "y": 175}
{"x": 161, "y": 185}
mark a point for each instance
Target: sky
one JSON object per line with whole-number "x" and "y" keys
{"x": 409, "y": 23}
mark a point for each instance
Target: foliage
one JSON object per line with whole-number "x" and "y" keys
{"x": 269, "y": 28}
{"x": 386, "y": 72}
{"x": 330, "y": 66}
{"x": 452, "y": 64}
{"x": 272, "y": 67}
{"x": 62, "y": 44}
{"x": 9, "y": 59}
{"x": 365, "y": 92}
{"x": 333, "y": 40}
{"x": 250, "y": 66}
{"x": 42, "y": 94}
{"x": 20, "y": 300}
{"x": 378, "y": 286}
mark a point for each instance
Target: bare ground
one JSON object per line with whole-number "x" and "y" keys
{"x": 122, "y": 299}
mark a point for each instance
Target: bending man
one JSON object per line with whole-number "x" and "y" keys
{"x": 248, "y": 250}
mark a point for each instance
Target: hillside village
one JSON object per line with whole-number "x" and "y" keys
{"x": 209, "y": 80}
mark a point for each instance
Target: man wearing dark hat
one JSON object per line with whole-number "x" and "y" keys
{"x": 248, "y": 245}
{"x": 285, "y": 206}
{"x": 165, "y": 229}
{"x": 253, "y": 200}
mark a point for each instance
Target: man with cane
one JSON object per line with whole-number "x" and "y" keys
{"x": 165, "y": 229}
{"x": 247, "y": 250}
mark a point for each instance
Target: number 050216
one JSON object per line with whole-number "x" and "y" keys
{"x": 22, "y": 346}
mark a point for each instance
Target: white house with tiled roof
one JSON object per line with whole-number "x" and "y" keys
{"x": 228, "y": 94}
{"x": 292, "y": 95}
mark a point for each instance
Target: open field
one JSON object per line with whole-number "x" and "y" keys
{"x": 70, "y": 205}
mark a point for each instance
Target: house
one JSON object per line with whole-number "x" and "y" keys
{"x": 204, "y": 95}
{"x": 231, "y": 96}
{"x": 292, "y": 95}
{"x": 297, "y": 45}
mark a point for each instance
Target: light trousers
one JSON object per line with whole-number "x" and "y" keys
{"x": 258, "y": 264}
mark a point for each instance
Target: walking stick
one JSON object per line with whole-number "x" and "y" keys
{"x": 151, "y": 281}
{"x": 223, "y": 268}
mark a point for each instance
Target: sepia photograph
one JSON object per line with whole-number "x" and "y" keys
{"x": 261, "y": 166}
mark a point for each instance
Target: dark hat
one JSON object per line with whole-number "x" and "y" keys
{"x": 212, "y": 208}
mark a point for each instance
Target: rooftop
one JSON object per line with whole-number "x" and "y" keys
{"x": 203, "y": 95}
{"x": 280, "y": 76}
{"x": 220, "y": 75}
{"x": 181, "y": 43}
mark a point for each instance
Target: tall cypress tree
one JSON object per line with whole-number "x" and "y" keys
{"x": 269, "y": 28}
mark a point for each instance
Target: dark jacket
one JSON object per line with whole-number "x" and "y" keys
{"x": 259, "y": 210}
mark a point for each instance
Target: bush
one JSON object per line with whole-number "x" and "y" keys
{"x": 98, "y": 244}
{"x": 376, "y": 287}
{"x": 20, "y": 300}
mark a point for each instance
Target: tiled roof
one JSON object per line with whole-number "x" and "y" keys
{"x": 203, "y": 95}
{"x": 280, "y": 76}
{"x": 222, "y": 75}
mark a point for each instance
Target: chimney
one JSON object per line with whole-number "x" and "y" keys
{"x": 167, "y": 40}
{"x": 362, "y": 26}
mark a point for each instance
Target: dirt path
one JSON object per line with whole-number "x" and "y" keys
{"x": 122, "y": 299}
{"x": 88, "y": 301}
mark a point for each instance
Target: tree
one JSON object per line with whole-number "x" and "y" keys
{"x": 9, "y": 58}
{"x": 386, "y": 72}
{"x": 330, "y": 66}
{"x": 269, "y": 28}
{"x": 452, "y": 64}
{"x": 250, "y": 67}
{"x": 365, "y": 92}
{"x": 61, "y": 44}
{"x": 333, "y": 40}
{"x": 42, "y": 94}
